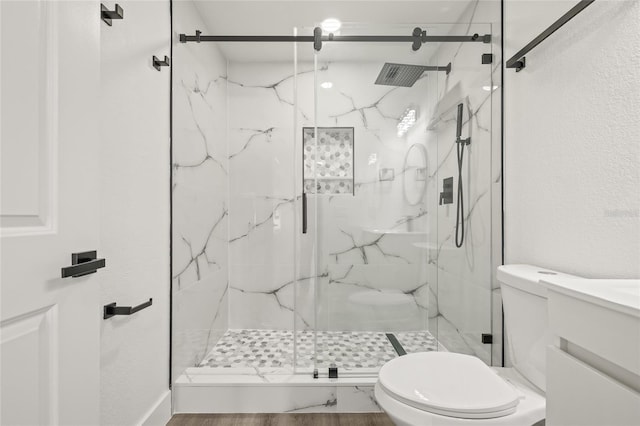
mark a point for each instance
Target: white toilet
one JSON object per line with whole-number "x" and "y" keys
{"x": 445, "y": 388}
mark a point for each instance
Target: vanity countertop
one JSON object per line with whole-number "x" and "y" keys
{"x": 621, "y": 295}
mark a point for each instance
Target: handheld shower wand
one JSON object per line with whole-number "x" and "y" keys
{"x": 460, "y": 144}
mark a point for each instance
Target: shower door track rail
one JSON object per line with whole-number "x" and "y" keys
{"x": 418, "y": 38}
{"x": 518, "y": 61}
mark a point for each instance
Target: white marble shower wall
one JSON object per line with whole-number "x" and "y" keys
{"x": 261, "y": 195}
{"x": 376, "y": 275}
{"x": 200, "y": 194}
{"x": 468, "y": 303}
{"x": 360, "y": 264}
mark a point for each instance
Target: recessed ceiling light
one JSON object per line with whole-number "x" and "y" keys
{"x": 331, "y": 25}
{"x": 326, "y": 85}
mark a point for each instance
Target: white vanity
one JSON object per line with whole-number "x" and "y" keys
{"x": 593, "y": 365}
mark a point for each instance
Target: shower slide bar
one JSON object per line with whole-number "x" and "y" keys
{"x": 418, "y": 38}
{"x": 518, "y": 61}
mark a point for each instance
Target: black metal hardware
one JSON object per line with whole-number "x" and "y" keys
{"x": 487, "y": 58}
{"x": 304, "y": 212}
{"x": 417, "y": 37}
{"x": 333, "y": 371}
{"x": 487, "y": 338}
{"x": 315, "y": 373}
{"x": 82, "y": 263}
{"x": 446, "y": 196}
{"x": 157, "y": 63}
{"x": 107, "y": 15}
{"x": 396, "y": 344}
{"x": 460, "y": 144}
{"x": 112, "y": 309}
{"x": 518, "y": 60}
{"x": 317, "y": 38}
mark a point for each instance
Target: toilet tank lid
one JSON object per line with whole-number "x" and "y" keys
{"x": 527, "y": 277}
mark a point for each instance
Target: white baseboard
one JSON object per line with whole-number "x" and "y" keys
{"x": 160, "y": 413}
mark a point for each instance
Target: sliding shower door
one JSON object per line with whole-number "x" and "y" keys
{"x": 385, "y": 273}
{"x": 368, "y": 186}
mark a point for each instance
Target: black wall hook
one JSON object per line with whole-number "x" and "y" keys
{"x": 108, "y": 15}
{"x": 157, "y": 63}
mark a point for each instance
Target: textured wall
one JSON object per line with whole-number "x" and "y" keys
{"x": 200, "y": 181}
{"x": 134, "y": 224}
{"x": 572, "y": 143}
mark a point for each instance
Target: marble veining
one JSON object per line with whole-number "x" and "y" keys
{"x": 201, "y": 253}
{"x": 254, "y": 134}
{"x": 200, "y": 202}
{"x": 207, "y": 156}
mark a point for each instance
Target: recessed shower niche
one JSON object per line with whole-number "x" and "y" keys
{"x": 328, "y": 160}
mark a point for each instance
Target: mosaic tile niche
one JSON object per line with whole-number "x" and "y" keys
{"x": 328, "y": 165}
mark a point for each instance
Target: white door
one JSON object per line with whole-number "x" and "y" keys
{"x": 50, "y": 326}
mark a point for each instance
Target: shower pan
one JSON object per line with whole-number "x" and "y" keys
{"x": 332, "y": 270}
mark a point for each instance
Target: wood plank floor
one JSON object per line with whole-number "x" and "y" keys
{"x": 282, "y": 419}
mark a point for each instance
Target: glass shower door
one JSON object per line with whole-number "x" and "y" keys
{"x": 370, "y": 201}
{"x": 389, "y": 278}
{"x": 462, "y": 119}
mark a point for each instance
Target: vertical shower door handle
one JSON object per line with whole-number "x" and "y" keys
{"x": 304, "y": 212}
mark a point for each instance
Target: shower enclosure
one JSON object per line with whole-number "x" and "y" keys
{"x": 309, "y": 232}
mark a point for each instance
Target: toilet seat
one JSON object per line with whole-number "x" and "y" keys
{"x": 448, "y": 384}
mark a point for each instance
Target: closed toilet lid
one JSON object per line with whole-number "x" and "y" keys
{"x": 449, "y": 384}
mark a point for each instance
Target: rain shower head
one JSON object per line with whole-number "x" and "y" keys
{"x": 399, "y": 74}
{"x": 405, "y": 75}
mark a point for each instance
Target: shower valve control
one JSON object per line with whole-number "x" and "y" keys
{"x": 446, "y": 196}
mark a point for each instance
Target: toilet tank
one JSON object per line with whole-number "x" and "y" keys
{"x": 525, "y": 318}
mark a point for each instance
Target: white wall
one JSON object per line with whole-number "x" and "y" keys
{"x": 572, "y": 142}
{"x": 134, "y": 224}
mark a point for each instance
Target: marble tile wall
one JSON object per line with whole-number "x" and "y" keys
{"x": 200, "y": 194}
{"x": 262, "y": 200}
{"x": 365, "y": 257}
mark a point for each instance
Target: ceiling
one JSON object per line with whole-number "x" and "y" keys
{"x": 263, "y": 17}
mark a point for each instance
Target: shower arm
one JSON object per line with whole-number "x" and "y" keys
{"x": 418, "y": 38}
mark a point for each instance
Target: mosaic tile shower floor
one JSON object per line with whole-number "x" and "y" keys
{"x": 345, "y": 349}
